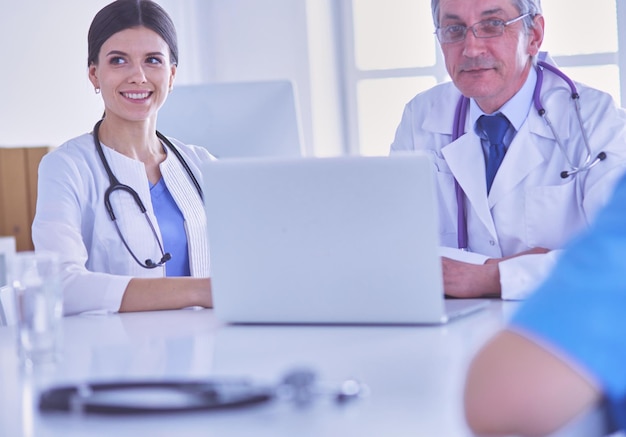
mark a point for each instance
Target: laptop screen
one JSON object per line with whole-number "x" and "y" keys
{"x": 324, "y": 240}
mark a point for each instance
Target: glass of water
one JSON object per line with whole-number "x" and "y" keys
{"x": 35, "y": 277}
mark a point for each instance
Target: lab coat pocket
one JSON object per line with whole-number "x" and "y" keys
{"x": 552, "y": 214}
{"x": 444, "y": 185}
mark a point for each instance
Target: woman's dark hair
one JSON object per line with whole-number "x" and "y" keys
{"x": 125, "y": 14}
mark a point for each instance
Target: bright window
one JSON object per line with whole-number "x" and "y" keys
{"x": 391, "y": 55}
{"x": 386, "y": 34}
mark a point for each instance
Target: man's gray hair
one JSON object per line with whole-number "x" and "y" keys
{"x": 532, "y": 7}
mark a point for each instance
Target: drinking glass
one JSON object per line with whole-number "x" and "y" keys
{"x": 35, "y": 278}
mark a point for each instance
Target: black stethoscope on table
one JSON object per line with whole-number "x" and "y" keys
{"x": 458, "y": 129}
{"x": 116, "y": 185}
{"x": 299, "y": 387}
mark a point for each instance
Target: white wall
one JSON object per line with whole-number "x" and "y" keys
{"x": 47, "y": 98}
{"x": 249, "y": 40}
{"x": 258, "y": 40}
{"x": 327, "y": 112}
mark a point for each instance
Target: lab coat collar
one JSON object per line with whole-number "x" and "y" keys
{"x": 522, "y": 157}
{"x": 556, "y": 98}
{"x": 529, "y": 148}
{"x": 192, "y": 207}
{"x": 516, "y": 109}
{"x": 467, "y": 163}
{"x": 465, "y": 157}
{"x": 526, "y": 152}
{"x": 440, "y": 117}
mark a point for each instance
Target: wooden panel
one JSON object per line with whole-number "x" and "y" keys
{"x": 18, "y": 192}
{"x": 13, "y": 197}
{"x": 33, "y": 156}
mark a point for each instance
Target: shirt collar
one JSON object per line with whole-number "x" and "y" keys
{"x": 516, "y": 108}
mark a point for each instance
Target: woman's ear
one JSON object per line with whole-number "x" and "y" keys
{"x": 172, "y": 77}
{"x": 93, "y": 76}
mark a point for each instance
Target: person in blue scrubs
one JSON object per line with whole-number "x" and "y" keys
{"x": 564, "y": 350}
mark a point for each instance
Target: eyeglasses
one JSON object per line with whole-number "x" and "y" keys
{"x": 490, "y": 28}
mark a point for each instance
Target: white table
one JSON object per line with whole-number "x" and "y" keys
{"x": 415, "y": 374}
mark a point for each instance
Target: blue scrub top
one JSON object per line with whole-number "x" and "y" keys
{"x": 172, "y": 226}
{"x": 580, "y": 310}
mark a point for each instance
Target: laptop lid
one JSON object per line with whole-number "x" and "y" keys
{"x": 342, "y": 240}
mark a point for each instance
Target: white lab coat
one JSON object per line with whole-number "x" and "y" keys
{"x": 529, "y": 204}
{"x": 71, "y": 219}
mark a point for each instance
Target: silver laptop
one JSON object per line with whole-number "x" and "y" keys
{"x": 342, "y": 240}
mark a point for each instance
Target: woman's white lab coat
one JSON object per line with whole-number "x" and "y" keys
{"x": 529, "y": 204}
{"x": 71, "y": 219}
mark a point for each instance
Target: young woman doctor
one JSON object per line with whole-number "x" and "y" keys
{"x": 122, "y": 205}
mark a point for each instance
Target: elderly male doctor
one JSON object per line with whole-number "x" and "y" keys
{"x": 517, "y": 221}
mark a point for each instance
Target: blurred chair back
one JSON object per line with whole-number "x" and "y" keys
{"x": 7, "y": 307}
{"x": 235, "y": 119}
{"x": 7, "y": 316}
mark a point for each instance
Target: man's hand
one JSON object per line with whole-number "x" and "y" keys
{"x": 466, "y": 280}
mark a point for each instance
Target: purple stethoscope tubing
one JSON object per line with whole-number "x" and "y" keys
{"x": 458, "y": 129}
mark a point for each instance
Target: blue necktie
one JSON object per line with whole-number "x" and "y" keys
{"x": 495, "y": 126}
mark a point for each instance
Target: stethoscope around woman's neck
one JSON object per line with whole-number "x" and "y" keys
{"x": 116, "y": 185}
{"x": 458, "y": 129}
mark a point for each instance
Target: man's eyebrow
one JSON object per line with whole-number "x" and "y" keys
{"x": 494, "y": 11}
{"x": 449, "y": 16}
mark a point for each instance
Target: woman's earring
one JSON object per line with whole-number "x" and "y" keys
{"x": 97, "y": 90}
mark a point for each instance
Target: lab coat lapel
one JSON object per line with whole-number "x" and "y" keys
{"x": 522, "y": 157}
{"x": 186, "y": 197}
{"x": 467, "y": 163}
{"x": 534, "y": 143}
{"x": 132, "y": 223}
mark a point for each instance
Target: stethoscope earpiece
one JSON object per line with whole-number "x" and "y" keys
{"x": 600, "y": 157}
{"x": 165, "y": 258}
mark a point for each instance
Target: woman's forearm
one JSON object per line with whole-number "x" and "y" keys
{"x": 149, "y": 294}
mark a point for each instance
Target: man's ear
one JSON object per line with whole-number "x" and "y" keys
{"x": 536, "y": 35}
